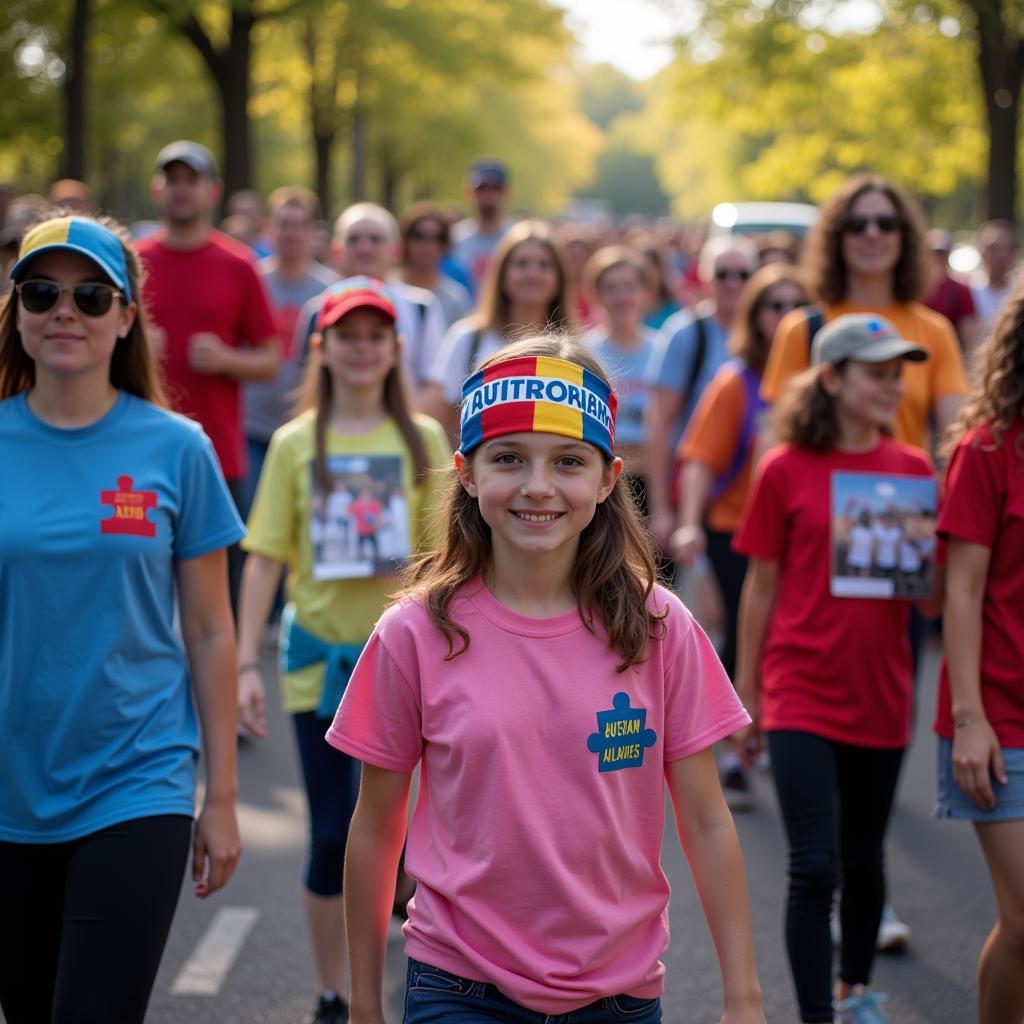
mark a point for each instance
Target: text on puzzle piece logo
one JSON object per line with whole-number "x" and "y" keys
{"x": 621, "y": 738}
{"x": 130, "y": 510}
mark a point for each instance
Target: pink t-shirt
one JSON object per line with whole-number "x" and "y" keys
{"x": 537, "y": 833}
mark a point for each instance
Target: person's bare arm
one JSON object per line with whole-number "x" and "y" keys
{"x": 209, "y": 634}
{"x": 260, "y": 578}
{"x": 977, "y": 755}
{"x": 663, "y": 409}
{"x": 375, "y": 839}
{"x": 689, "y": 539}
{"x": 756, "y": 602}
{"x": 712, "y": 848}
{"x": 209, "y": 355}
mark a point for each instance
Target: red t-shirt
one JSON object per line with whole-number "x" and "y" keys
{"x": 213, "y": 288}
{"x": 984, "y": 504}
{"x": 837, "y": 667}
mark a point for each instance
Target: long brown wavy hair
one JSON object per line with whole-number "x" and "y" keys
{"x": 805, "y": 413}
{"x": 132, "y": 366}
{"x": 494, "y": 308}
{"x": 746, "y": 340}
{"x": 317, "y": 391}
{"x": 825, "y": 271}
{"x": 997, "y": 389}
{"x": 615, "y": 570}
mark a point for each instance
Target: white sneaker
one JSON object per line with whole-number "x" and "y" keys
{"x": 893, "y": 934}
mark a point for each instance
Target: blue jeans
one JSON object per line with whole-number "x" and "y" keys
{"x": 433, "y": 996}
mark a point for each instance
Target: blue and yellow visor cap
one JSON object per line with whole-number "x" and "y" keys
{"x": 76, "y": 234}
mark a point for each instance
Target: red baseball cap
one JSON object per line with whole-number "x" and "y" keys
{"x": 354, "y": 293}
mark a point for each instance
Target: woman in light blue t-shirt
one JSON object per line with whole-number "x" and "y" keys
{"x": 112, "y": 506}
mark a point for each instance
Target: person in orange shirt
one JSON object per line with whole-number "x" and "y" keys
{"x": 867, "y": 254}
{"x": 718, "y": 455}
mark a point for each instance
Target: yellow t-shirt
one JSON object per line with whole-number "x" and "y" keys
{"x": 940, "y": 375}
{"x": 341, "y": 611}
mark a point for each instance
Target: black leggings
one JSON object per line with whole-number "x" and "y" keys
{"x": 85, "y": 922}
{"x": 729, "y": 569}
{"x": 332, "y": 782}
{"x": 835, "y": 801}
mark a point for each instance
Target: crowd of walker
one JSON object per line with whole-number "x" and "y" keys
{"x": 515, "y": 441}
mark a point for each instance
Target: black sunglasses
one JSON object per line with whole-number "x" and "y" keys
{"x": 90, "y": 299}
{"x": 782, "y": 307}
{"x": 419, "y": 235}
{"x": 887, "y": 223}
{"x": 738, "y": 275}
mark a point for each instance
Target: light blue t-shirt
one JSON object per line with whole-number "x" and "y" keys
{"x": 628, "y": 370}
{"x": 672, "y": 361}
{"x": 97, "y": 724}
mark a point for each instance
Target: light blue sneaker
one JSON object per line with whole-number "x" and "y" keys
{"x": 861, "y": 1008}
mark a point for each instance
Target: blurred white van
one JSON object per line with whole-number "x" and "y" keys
{"x": 760, "y": 218}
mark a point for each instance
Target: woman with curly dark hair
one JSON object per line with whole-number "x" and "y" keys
{"x": 867, "y": 254}
{"x": 980, "y": 715}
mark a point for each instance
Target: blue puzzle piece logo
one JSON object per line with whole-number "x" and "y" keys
{"x": 621, "y": 738}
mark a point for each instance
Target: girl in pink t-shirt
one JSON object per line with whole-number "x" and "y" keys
{"x": 980, "y": 713}
{"x": 548, "y": 688}
{"x": 827, "y": 678}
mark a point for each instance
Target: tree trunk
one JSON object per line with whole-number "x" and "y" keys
{"x": 1001, "y": 65}
{"x": 390, "y": 174}
{"x": 72, "y": 163}
{"x": 235, "y": 99}
{"x": 230, "y": 70}
{"x": 322, "y": 118}
{"x": 323, "y": 143}
{"x": 358, "y": 148}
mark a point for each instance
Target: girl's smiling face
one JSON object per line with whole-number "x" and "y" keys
{"x": 537, "y": 492}
{"x": 361, "y": 348}
{"x": 530, "y": 275}
{"x": 867, "y": 393}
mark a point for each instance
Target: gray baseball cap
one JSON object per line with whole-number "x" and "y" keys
{"x": 190, "y": 153}
{"x": 865, "y": 337}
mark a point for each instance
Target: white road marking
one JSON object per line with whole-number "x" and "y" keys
{"x": 205, "y": 970}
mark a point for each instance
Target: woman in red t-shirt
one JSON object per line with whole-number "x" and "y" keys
{"x": 828, "y": 679}
{"x": 980, "y": 715}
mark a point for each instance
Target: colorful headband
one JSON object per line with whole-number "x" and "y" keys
{"x": 537, "y": 394}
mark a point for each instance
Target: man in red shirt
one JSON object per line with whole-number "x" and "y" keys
{"x": 213, "y": 324}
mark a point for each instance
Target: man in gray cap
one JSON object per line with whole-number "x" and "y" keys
{"x": 213, "y": 323}
{"x": 475, "y": 238}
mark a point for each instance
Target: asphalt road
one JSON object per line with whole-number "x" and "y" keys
{"x": 937, "y": 879}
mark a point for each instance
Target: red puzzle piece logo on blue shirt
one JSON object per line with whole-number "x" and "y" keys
{"x": 130, "y": 509}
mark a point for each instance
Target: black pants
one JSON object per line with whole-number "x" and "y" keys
{"x": 332, "y": 784}
{"x": 835, "y": 801}
{"x": 84, "y": 923}
{"x": 236, "y": 556}
{"x": 729, "y": 569}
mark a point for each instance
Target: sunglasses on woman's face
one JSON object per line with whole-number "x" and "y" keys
{"x": 725, "y": 274}
{"x": 778, "y": 306}
{"x": 887, "y": 223}
{"x": 90, "y": 299}
{"x": 426, "y": 235}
